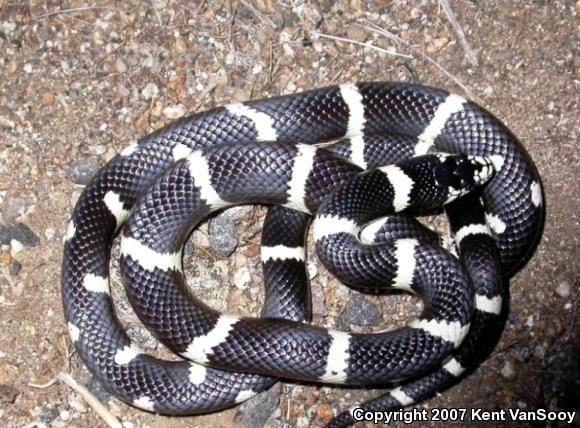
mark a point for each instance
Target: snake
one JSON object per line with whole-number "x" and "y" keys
{"x": 398, "y": 149}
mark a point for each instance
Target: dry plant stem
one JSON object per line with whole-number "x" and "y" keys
{"x": 259, "y": 14}
{"x": 71, "y": 10}
{"x": 469, "y": 53}
{"x": 366, "y": 45}
{"x": 91, "y": 400}
{"x": 375, "y": 28}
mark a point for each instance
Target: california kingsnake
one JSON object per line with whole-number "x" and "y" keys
{"x": 218, "y": 158}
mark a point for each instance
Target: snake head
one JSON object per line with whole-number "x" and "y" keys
{"x": 460, "y": 174}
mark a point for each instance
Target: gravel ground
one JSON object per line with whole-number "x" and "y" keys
{"x": 79, "y": 81}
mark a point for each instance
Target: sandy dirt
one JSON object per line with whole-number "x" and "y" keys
{"x": 80, "y": 80}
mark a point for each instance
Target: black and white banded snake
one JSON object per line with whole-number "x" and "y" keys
{"x": 247, "y": 153}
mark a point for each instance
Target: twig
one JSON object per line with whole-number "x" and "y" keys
{"x": 157, "y": 13}
{"x": 259, "y": 14}
{"x": 71, "y": 10}
{"x": 366, "y": 45}
{"x": 469, "y": 53}
{"x": 108, "y": 54}
{"x": 91, "y": 400}
{"x": 211, "y": 85}
{"x": 507, "y": 347}
{"x": 389, "y": 35}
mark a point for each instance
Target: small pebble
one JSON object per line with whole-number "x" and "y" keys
{"x": 360, "y": 311}
{"x": 77, "y": 404}
{"x": 13, "y": 208}
{"x": 150, "y": 91}
{"x": 98, "y": 150}
{"x": 15, "y": 267}
{"x": 255, "y": 411}
{"x": 312, "y": 270}
{"x": 302, "y": 422}
{"x": 223, "y": 236}
{"x": 530, "y": 321}
{"x": 563, "y": 289}
{"x": 49, "y": 233}
{"x": 6, "y": 259}
{"x": 540, "y": 352}
{"x": 120, "y": 66}
{"x": 16, "y": 246}
{"x": 48, "y": 414}
{"x": 174, "y": 111}
{"x": 507, "y": 370}
{"x": 242, "y": 278}
{"x": 324, "y": 412}
{"x": 8, "y": 394}
{"x": 522, "y": 353}
{"x": 180, "y": 45}
{"x": 83, "y": 170}
{"x": 318, "y": 299}
{"x": 143, "y": 337}
{"x": 48, "y": 99}
{"x": 36, "y": 424}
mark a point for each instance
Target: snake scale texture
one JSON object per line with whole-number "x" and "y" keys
{"x": 398, "y": 150}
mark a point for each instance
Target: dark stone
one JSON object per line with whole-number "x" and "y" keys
{"x": 360, "y": 311}
{"x": 8, "y": 393}
{"x": 15, "y": 267}
{"x": 48, "y": 414}
{"x": 223, "y": 236}
{"x": 20, "y": 232}
{"x": 565, "y": 377}
{"x": 255, "y": 412}
{"x": 83, "y": 170}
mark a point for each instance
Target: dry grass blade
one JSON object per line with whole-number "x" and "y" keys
{"x": 469, "y": 53}
{"x": 366, "y": 45}
{"x": 91, "y": 400}
{"x": 67, "y": 11}
{"x": 375, "y": 28}
{"x": 259, "y": 15}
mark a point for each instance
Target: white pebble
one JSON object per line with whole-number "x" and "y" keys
{"x": 8, "y": 27}
{"x": 530, "y": 322}
{"x": 120, "y": 66}
{"x": 77, "y": 404}
{"x": 563, "y": 289}
{"x": 49, "y": 233}
{"x": 16, "y": 246}
{"x": 174, "y": 111}
{"x": 312, "y": 270}
{"x": 508, "y": 370}
{"x": 302, "y": 422}
{"x": 36, "y": 424}
{"x": 65, "y": 415}
{"x": 242, "y": 278}
{"x": 150, "y": 91}
{"x": 98, "y": 150}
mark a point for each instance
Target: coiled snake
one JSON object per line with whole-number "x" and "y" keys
{"x": 161, "y": 186}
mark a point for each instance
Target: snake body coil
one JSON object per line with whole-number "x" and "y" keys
{"x": 242, "y": 153}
